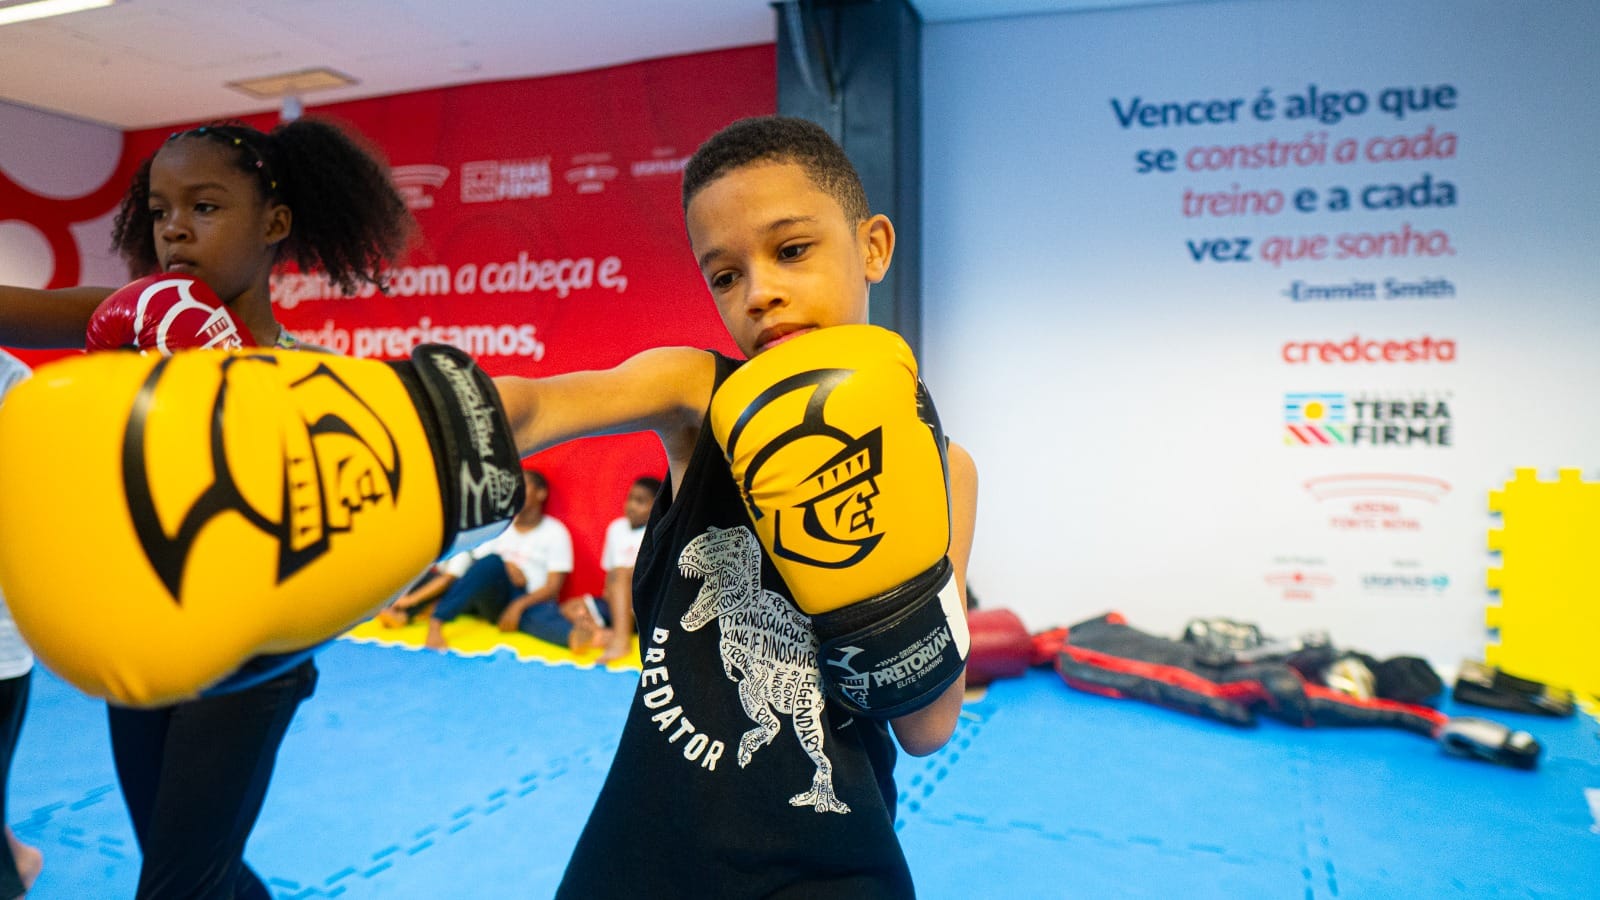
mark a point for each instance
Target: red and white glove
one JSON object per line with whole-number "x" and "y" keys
{"x": 165, "y": 313}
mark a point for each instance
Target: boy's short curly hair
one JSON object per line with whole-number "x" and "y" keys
{"x": 537, "y": 477}
{"x": 765, "y": 139}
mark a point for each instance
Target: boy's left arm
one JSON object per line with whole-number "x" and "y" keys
{"x": 926, "y": 730}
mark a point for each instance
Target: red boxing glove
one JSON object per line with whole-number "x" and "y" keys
{"x": 164, "y": 313}
{"x": 1001, "y": 646}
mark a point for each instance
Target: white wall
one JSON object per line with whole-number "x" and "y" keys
{"x": 51, "y": 158}
{"x": 1127, "y": 404}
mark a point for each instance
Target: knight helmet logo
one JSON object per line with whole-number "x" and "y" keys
{"x": 298, "y": 469}
{"x": 825, "y": 476}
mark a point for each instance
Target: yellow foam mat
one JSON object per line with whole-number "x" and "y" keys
{"x": 469, "y": 636}
{"x": 1548, "y": 580}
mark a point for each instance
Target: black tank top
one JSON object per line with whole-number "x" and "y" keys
{"x": 732, "y": 778}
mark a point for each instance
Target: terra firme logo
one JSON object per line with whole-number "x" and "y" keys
{"x": 1344, "y": 419}
{"x": 495, "y": 180}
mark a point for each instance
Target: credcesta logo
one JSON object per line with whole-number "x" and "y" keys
{"x": 1363, "y": 350}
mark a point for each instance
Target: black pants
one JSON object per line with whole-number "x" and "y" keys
{"x": 194, "y": 776}
{"x": 13, "y": 703}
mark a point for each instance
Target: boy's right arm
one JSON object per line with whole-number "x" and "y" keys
{"x": 47, "y": 319}
{"x": 665, "y": 390}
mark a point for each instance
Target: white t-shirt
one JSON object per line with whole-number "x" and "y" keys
{"x": 15, "y": 657}
{"x": 621, "y": 548}
{"x": 542, "y": 549}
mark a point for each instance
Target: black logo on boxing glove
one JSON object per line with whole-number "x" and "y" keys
{"x": 337, "y": 458}
{"x": 830, "y": 523}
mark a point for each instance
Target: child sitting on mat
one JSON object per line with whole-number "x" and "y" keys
{"x": 513, "y": 580}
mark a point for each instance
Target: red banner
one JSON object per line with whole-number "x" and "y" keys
{"x": 551, "y": 239}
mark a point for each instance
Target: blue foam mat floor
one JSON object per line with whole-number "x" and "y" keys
{"x": 426, "y": 775}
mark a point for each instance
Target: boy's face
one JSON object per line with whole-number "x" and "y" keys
{"x": 533, "y": 495}
{"x": 779, "y": 255}
{"x": 637, "y": 507}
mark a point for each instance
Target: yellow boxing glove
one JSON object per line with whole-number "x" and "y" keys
{"x": 168, "y": 518}
{"x": 839, "y": 457}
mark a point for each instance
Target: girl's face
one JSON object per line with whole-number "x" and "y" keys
{"x": 212, "y": 219}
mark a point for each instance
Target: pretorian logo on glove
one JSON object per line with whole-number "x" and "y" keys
{"x": 904, "y": 668}
{"x": 487, "y": 489}
{"x": 836, "y": 527}
{"x": 892, "y": 654}
{"x": 299, "y": 462}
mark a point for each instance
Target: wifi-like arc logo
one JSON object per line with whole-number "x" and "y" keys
{"x": 416, "y": 183}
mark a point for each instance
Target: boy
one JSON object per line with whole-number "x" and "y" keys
{"x": 708, "y": 792}
{"x": 617, "y": 557}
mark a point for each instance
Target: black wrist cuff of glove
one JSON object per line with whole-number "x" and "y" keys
{"x": 895, "y": 653}
{"x": 480, "y": 473}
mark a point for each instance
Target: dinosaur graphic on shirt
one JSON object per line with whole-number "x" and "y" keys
{"x": 768, "y": 649}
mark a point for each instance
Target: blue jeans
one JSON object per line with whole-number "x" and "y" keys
{"x": 485, "y": 590}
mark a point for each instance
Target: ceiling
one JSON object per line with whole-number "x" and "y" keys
{"x": 146, "y": 63}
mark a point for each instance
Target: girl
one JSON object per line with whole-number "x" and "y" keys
{"x": 226, "y": 204}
